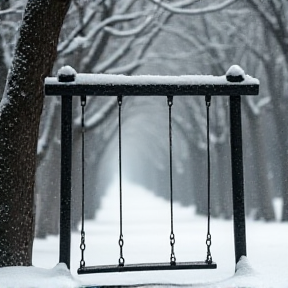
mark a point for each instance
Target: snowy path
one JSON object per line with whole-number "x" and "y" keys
{"x": 146, "y": 232}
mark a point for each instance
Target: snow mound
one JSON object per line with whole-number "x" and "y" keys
{"x": 235, "y": 74}
{"x": 32, "y": 277}
{"x": 243, "y": 268}
{"x": 66, "y": 74}
{"x": 245, "y": 276}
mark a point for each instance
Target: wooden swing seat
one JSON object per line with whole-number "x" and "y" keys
{"x": 146, "y": 267}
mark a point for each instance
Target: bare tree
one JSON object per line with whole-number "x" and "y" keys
{"x": 20, "y": 112}
{"x": 273, "y": 15}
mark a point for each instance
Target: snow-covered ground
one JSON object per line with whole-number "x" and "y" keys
{"x": 146, "y": 233}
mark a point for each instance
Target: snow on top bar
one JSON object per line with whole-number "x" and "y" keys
{"x": 66, "y": 74}
{"x": 235, "y": 70}
{"x": 66, "y": 70}
{"x": 109, "y": 79}
{"x": 235, "y": 74}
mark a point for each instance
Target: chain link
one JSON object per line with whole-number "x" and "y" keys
{"x": 121, "y": 244}
{"x": 82, "y": 248}
{"x": 208, "y": 243}
{"x": 172, "y": 243}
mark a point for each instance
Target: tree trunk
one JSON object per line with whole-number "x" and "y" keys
{"x": 280, "y": 116}
{"x": 223, "y": 179}
{"x": 199, "y": 174}
{"x": 20, "y": 114}
{"x": 260, "y": 186}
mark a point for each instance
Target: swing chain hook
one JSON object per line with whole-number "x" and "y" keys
{"x": 83, "y": 100}
{"x": 83, "y": 104}
{"x": 208, "y": 100}
{"x": 119, "y": 100}
{"x": 170, "y": 100}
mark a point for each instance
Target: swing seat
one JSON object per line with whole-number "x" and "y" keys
{"x": 146, "y": 267}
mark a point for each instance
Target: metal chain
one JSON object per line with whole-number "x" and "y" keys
{"x": 121, "y": 260}
{"x": 83, "y": 245}
{"x": 208, "y": 239}
{"x": 172, "y": 235}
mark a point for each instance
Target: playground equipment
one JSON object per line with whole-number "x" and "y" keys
{"x": 69, "y": 83}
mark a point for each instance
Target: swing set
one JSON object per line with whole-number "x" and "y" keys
{"x": 69, "y": 84}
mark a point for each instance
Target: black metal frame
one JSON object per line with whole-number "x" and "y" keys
{"x": 75, "y": 88}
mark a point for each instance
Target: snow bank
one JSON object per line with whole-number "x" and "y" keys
{"x": 31, "y": 277}
{"x": 245, "y": 276}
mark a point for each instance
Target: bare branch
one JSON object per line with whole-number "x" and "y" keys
{"x": 16, "y": 9}
{"x": 209, "y": 9}
{"x": 102, "y": 67}
{"x": 76, "y": 32}
{"x": 126, "y": 69}
{"x": 127, "y": 33}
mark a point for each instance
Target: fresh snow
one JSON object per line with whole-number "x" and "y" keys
{"x": 67, "y": 71}
{"x": 31, "y": 277}
{"x": 111, "y": 79}
{"x": 146, "y": 234}
{"x": 235, "y": 70}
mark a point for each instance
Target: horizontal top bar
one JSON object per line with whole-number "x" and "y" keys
{"x": 144, "y": 85}
{"x": 146, "y": 267}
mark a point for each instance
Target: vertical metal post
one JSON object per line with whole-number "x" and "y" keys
{"x": 65, "y": 201}
{"x": 237, "y": 177}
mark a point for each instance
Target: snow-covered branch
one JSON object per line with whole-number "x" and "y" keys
{"x": 126, "y": 69}
{"x": 64, "y": 45}
{"x": 183, "y": 36}
{"x": 94, "y": 32}
{"x": 160, "y": 56}
{"x": 122, "y": 50}
{"x": 130, "y": 32}
{"x": 184, "y": 3}
{"x": 13, "y": 10}
{"x": 112, "y": 20}
{"x": 198, "y": 11}
{"x": 256, "y": 106}
{"x": 114, "y": 57}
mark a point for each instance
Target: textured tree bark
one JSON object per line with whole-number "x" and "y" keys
{"x": 20, "y": 112}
